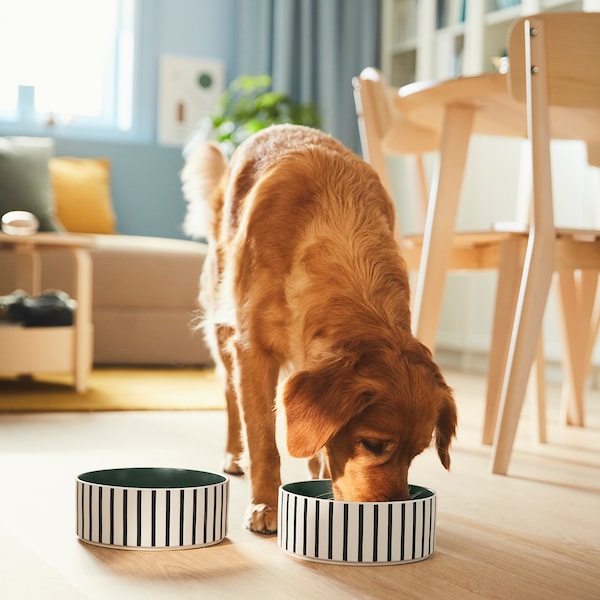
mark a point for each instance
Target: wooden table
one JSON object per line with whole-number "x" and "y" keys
{"x": 26, "y": 350}
{"x": 457, "y": 109}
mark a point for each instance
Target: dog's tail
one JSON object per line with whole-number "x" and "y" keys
{"x": 203, "y": 170}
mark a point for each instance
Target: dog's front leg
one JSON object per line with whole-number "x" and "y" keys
{"x": 257, "y": 379}
{"x": 318, "y": 467}
{"x": 234, "y": 447}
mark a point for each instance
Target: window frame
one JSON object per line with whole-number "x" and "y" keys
{"x": 102, "y": 128}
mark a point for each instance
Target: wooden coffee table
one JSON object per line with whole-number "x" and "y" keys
{"x": 28, "y": 350}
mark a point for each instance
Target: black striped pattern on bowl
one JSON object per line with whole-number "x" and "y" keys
{"x": 315, "y": 527}
{"x": 152, "y": 508}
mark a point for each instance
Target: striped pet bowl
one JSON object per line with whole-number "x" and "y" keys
{"x": 315, "y": 527}
{"x": 152, "y": 508}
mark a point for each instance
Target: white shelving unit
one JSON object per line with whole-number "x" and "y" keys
{"x": 433, "y": 39}
{"x": 440, "y": 39}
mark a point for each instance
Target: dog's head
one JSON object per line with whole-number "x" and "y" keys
{"x": 370, "y": 415}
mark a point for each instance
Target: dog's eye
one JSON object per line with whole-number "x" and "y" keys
{"x": 376, "y": 447}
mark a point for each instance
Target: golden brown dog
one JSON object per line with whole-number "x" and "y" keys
{"x": 304, "y": 278}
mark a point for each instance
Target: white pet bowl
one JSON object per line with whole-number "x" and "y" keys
{"x": 313, "y": 526}
{"x": 152, "y": 508}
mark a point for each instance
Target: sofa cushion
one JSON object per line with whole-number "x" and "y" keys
{"x": 149, "y": 336}
{"x": 25, "y": 179}
{"x": 82, "y": 194}
{"x": 140, "y": 271}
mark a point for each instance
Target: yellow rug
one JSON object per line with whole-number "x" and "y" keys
{"x": 116, "y": 389}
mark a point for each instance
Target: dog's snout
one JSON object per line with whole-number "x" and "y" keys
{"x": 401, "y": 494}
{"x": 370, "y": 493}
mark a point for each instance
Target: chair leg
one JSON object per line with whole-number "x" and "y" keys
{"x": 537, "y": 277}
{"x": 537, "y": 392}
{"x": 507, "y": 290}
{"x": 509, "y": 273}
{"x": 577, "y": 296}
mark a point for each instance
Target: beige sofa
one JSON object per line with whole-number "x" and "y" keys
{"x": 145, "y": 289}
{"x": 144, "y": 294}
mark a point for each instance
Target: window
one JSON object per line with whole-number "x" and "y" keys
{"x": 67, "y": 63}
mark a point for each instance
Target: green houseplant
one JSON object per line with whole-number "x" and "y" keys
{"x": 249, "y": 105}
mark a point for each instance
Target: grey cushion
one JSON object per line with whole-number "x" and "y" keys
{"x": 25, "y": 179}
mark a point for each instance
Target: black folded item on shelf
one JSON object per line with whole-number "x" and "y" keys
{"x": 52, "y": 308}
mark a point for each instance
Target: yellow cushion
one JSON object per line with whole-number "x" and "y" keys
{"x": 82, "y": 194}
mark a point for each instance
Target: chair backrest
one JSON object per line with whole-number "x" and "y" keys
{"x": 375, "y": 119}
{"x": 554, "y": 63}
{"x": 569, "y": 50}
{"x": 384, "y": 131}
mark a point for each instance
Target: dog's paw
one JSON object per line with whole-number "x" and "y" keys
{"x": 261, "y": 518}
{"x": 231, "y": 465}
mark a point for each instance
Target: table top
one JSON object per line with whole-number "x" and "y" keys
{"x": 47, "y": 239}
{"x": 496, "y": 112}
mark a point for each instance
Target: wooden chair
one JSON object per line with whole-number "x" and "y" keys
{"x": 376, "y": 116}
{"x": 503, "y": 251}
{"x": 554, "y": 71}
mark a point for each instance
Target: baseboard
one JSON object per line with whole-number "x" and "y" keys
{"x": 477, "y": 362}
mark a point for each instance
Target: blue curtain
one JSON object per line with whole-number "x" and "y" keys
{"x": 312, "y": 49}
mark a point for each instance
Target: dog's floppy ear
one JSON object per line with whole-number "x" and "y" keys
{"x": 445, "y": 428}
{"x": 317, "y": 405}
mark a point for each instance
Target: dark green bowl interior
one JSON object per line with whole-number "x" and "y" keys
{"x": 321, "y": 488}
{"x": 150, "y": 477}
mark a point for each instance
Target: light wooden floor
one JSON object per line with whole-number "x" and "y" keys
{"x": 532, "y": 534}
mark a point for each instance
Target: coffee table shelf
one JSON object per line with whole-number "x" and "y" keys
{"x": 29, "y": 350}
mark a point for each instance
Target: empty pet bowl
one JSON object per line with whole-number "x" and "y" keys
{"x": 152, "y": 508}
{"x": 315, "y": 527}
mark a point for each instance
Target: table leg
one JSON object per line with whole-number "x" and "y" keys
{"x": 82, "y": 355}
{"x": 439, "y": 226}
{"x": 29, "y": 274}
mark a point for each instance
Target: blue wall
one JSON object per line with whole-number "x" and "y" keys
{"x": 199, "y": 28}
